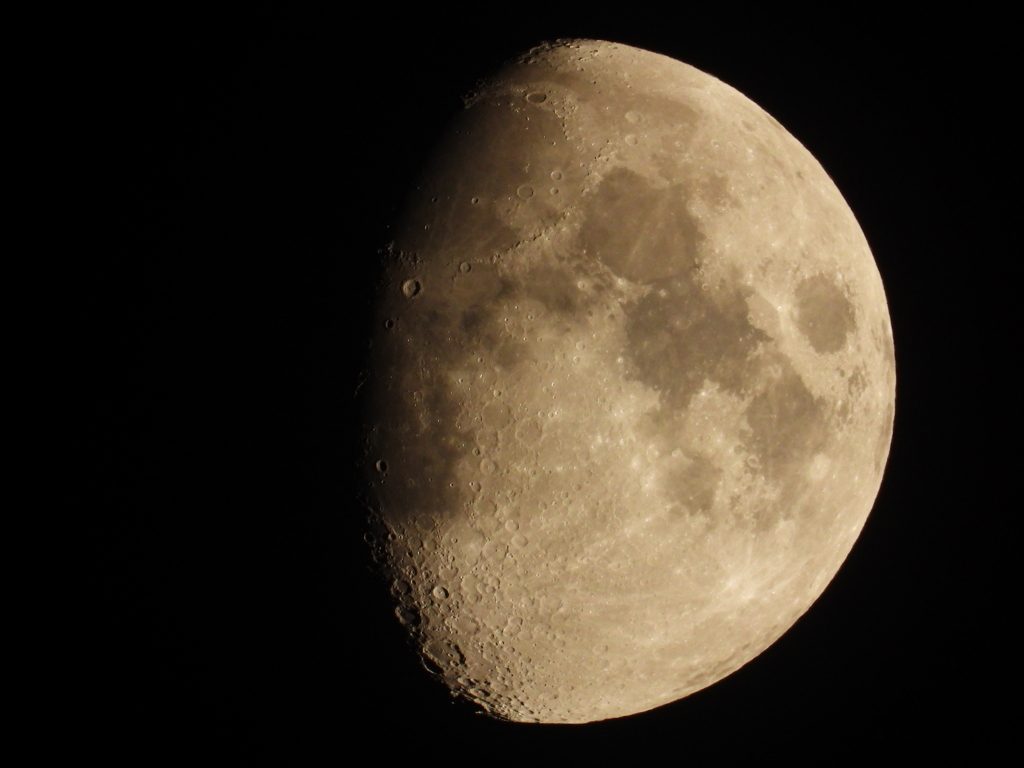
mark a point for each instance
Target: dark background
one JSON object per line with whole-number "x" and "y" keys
{"x": 273, "y": 148}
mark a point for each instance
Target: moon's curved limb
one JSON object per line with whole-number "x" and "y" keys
{"x": 632, "y": 389}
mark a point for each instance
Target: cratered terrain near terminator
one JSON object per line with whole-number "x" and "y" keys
{"x": 630, "y": 392}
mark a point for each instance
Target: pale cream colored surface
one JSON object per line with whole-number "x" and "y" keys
{"x": 635, "y": 408}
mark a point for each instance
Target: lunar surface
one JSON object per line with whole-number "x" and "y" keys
{"x": 630, "y": 394}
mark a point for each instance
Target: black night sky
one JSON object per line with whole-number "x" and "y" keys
{"x": 274, "y": 148}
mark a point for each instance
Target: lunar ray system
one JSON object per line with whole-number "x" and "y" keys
{"x": 630, "y": 391}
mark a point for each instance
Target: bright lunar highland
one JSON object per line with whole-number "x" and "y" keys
{"x": 630, "y": 393}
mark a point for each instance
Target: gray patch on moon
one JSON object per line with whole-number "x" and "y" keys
{"x": 681, "y": 333}
{"x": 888, "y": 353}
{"x": 884, "y": 437}
{"x": 555, "y": 288}
{"x": 787, "y": 424}
{"x": 419, "y": 450}
{"x": 483, "y": 319}
{"x": 679, "y": 337}
{"x": 694, "y": 485}
{"x": 639, "y": 232}
{"x": 483, "y": 331}
{"x": 824, "y": 315}
{"x": 856, "y": 383}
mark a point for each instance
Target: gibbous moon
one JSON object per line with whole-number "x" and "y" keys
{"x": 630, "y": 393}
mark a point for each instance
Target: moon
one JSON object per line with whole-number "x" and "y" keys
{"x": 630, "y": 392}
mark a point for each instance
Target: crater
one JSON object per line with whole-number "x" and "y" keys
{"x": 416, "y": 434}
